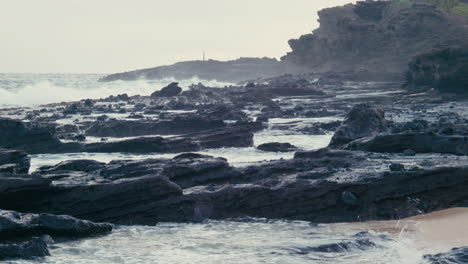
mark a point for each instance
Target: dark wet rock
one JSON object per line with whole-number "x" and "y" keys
{"x": 223, "y": 112}
{"x": 277, "y": 147}
{"x": 127, "y": 200}
{"x": 409, "y": 152}
{"x": 30, "y": 138}
{"x": 236, "y": 136}
{"x": 188, "y": 171}
{"x": 393, "y": 196}
{"x": 172, "y": 89}
{"x": 349, "y": 198}
{"x": 320, "y": 186}
{"x": 88, "y": 103}
{"x": 445, "y": 70}
{"x": 13, "y": 161}
{"x": 315, "y": 174}
{"x": 36, "y": 247}
{"x": 323, "y": 153}
{"x": 419, "y": 143}
{"x": 17, "y": 225}
{"x": 455, "y": 256}
{"x": 359, "y": 242}
{"x": 290, "y": 87}
{"x": 396, "y": 167}
{"x": 362, "y": 121}
{"x": 136, "y": 116}
{"x": 178, "y": 125}
{"x": 262, "y": 118}
{"x": 80, "y": 138}
{"x": 15, "y": 183}
{"x": 74, "y": 165}
{"x": 84, "y": 108}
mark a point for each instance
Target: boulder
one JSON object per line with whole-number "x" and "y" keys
{"x": 172, "y": 89}
{"x": 362, "y": 121}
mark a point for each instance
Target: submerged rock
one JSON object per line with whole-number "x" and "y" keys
{"x": 455, "y": 256}
{"x": 36, "y": 247}
{"x": 277, "y": 147}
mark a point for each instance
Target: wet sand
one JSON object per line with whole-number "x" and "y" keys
{"x": 439, "y": 231}
{"x": 435, "y": 232}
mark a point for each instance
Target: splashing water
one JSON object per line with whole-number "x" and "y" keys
{"x": 37, "y": 89}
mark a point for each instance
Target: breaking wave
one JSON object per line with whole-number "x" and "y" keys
{"x": 38, "y": 89}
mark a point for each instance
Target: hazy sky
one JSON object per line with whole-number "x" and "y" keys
{"x": 119, "y": 35}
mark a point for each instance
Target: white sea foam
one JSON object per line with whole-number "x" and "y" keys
{"x": 37, "y": 89}
{"x": 228, "y": 242}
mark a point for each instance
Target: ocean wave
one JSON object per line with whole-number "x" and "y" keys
{"x": 29, "y": 90}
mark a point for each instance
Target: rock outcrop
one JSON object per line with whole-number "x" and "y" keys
{"x": 172, "y": 89}
{"x": 376, "y": 38}
{"x": 445, "y": 70}
{"x": 28, "y": 235}
{"x": 236, "y": 136}
{"x": 27, "y": 137}
{"x": 416, "y": 142}
{"x": 228, "y": 71}
{"x": 362, "y": 121}
{"x": 13, "y": 161}
{"x": 176, "y": 126}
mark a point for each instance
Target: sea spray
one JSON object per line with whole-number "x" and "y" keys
{"x": 38, "y": 89}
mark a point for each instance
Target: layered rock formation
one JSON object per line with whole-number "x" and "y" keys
{"x": 376, "y": 38}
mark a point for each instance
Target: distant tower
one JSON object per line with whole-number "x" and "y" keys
{"x": 203, "y": 55}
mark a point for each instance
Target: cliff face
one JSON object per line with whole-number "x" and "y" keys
{"x": 227, "y": 71}
{"x": 375, "y": 36}
{"x": 445, "y": 70}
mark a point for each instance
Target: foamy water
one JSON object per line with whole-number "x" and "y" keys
{"x": 230, "y": 242}
{"x": 37, "y": 89}
{"x": 235, "y": 156}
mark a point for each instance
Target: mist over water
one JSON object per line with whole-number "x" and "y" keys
{"x": 36, "y": 89}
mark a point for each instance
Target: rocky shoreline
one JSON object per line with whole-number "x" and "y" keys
{"x": 396, "y": 149}
{"x": 397, "y": 155}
